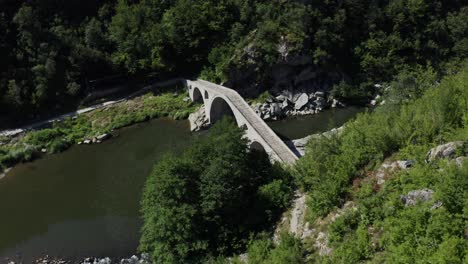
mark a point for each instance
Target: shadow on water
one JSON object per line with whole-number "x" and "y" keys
{"x": 85, "y": 202}
{"x": 302, "y": 126}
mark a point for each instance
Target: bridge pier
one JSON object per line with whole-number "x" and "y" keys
{"x": 220, "y": 101}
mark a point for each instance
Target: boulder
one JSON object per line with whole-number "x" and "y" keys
{"x": 459, "y": 161}
{"x": 319, "y": 94}
{"x": 281, "y": 98}
{"x": 257, "y": 109}
{"x": 87, "y": 141}
{"x": 103, "y": 137}
{"x": 301, "y": 101}
{"x": 336, "y": 103}
{"x": 320, "y": 103}
{"x": 275, "y": 109}
{"x": 413, "y": 197}
{"x": 404, "y": 164}
{"x": 288, "y": 94}
{"x": 296, "y": 97}
{"x": 198, "y": 120}
{"x": 285, "y": 104}
{"x": 186, "y": 99}
{"x": 443, "y": 151}
{"x": 388, "y": 168}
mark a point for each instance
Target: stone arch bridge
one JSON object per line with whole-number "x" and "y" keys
{"x": 220, "y": 101}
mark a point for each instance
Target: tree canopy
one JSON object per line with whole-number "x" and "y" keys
{"x": 52, "y": 48}
{"x": 207, "y": 201}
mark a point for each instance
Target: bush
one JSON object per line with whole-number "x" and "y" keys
{"x": 332, "y": 163}
{"x": 263, "y": 251}
{"x": 58, "y": 145}
{"x": 42, "y": 137}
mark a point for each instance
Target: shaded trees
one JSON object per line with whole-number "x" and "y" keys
{"x": 210, "y": 199}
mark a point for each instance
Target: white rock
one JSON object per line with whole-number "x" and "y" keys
{"x": 443, "y": 151}
{"x": 301, "y": 101}
{"x": 103, "y": 137}
{"x": 275, "y": 109}
{"x": 285, "y": 104}
{"x": 459, "y": 161}
{"x": 198, "y": 120}
{"x": 413, "y": 197}
{"x": 319, "y": 94}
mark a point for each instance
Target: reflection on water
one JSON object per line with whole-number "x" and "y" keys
{"x": 302, "y": 126}
{"x": 84, "y": 202}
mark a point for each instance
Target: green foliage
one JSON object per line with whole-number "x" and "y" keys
{"x": 206, "y": 202}
{"x": 332, "y": 163}
{"x": 51, "y": 50}
{"x": 262, "y": 98}
{"x": 263, "y": 251}
{"x": 63, "y": 134}
{"x": 382, "y": 229}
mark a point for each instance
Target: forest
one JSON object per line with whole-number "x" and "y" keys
{"x": 218, "y": 201}
{"x": 52, "y": 49}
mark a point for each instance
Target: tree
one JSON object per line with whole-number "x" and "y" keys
{"x": 212, "y": 191}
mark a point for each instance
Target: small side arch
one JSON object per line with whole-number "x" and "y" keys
{"x": 197, "y": 96}
{"x": 206, "y": 95}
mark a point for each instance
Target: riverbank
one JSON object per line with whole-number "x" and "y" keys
{"x": 94, "y": 125}
{"x": 143, "y": 259}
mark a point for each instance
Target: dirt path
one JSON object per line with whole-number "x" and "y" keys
{"x": 15, "y": 131}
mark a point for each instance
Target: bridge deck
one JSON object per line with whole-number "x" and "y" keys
{"x": 270, "y": 137}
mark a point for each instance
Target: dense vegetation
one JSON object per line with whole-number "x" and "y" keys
{"x": 382, "y": 229}
{"x": 219, "y": 199}
{"x": 206, "y": 202}
{"x": 61, "y": 135}
{"x": 50, "y": 48}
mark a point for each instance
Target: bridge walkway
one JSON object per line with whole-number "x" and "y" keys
{"x": 268, "y": 135}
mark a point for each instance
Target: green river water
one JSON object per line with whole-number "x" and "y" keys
{"x": 84, "y": 202}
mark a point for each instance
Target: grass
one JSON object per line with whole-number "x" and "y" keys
{"x": 70, "y": 131}
{"x": 261, "y": 98}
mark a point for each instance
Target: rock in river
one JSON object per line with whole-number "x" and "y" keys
{"x": 198, "y": 120}
{"x": 301, "y": 101}
{"x": 103, "y": 137}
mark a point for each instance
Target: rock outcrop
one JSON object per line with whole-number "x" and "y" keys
{"x": 290, "y": 103}
{"x": 300, "y": 144}
{"x": 413, "y": 197}
{"x": 388, "y": 168}
{"x": 444, "y": 151}
{"x": 198, "y": 120}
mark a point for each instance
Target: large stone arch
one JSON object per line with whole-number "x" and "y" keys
{"x": 197, "y": 96}
{"x": 219, "y": 108}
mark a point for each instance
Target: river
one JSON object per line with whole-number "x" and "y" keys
{"x": 84, "y": 202}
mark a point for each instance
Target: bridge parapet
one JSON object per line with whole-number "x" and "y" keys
{"x": 220, "y": 100}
